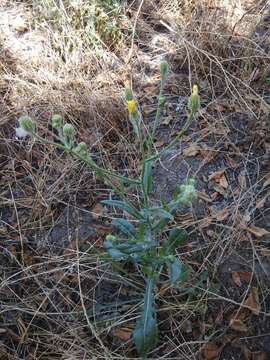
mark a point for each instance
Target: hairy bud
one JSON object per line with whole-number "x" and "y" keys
{"x": 57, "y": 121}
{"x": 81, "y": 149}
{"x": 27, "y": 124}
{"x": 187, "y": 192}
{"x": 164, "y": 69}
{"x": 69, "y": 131}
{"x": 194, "y": 100}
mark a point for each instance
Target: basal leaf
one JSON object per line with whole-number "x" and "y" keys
{"x": 147, "y": 180}
{"x": 161, "y": 213}
{"x": 175, "y": 270}
{"x": 114, "y": 251}
{"x": 125, "y": 227}
{"x": 156, "y": 213}
{"x": 177, "y": 237}
{"x": 117, "y": 254}
{"x": 160, "y": 225}
{"x": 123, "y": 206}
{"x": 145, "y": 334}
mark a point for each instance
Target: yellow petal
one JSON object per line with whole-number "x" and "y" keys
{"x": 131, "y": 105}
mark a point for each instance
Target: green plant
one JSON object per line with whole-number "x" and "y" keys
{"x": 94, "y": 22}
{"x": 138, "y": 240}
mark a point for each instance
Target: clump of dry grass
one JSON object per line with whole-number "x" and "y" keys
{"x": 216, "y": 43}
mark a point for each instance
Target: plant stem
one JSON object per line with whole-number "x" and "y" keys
{"x": 100, "y": 171}
{"x": 158, "y": 112}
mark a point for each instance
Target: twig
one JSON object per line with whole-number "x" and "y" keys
{"x": 133, "y": 32}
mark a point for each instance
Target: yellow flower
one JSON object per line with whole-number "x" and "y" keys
{"x": 131, "y": 105}
{"x": 195, "y": 90}
{"x": 194, "y": 100}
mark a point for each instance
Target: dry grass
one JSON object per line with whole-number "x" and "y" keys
{"x": 53, "y": 288}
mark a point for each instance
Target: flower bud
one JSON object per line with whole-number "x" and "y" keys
{"x": 194, "y": 100}
{"x": 57, "y": 121}
{"x": 81, "y": 149}
{"x": 128, "y": 93}
{"x": 27, "y": 124}
{"x": 164, "y": 69}
{"x": 69, "y": 131}
{"x": 111, "y": 238}
{"x": 187, "y": 192}
{"x": 161, "y": 101}
{"x": 195, "y": 90}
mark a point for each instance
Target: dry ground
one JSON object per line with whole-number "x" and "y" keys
{"x": 59, "y": 296}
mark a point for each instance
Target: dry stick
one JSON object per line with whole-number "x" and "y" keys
{"x": 133, "y": 32}
{"x": 18, "y": 222}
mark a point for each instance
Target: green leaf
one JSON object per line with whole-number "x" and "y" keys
{"x": 141, "y": 232}
{"x": 163, "y": 214}
{"x": 175, "y": 270}
{"x": 160, "y": 225}
{"x": 141, "y": 247}
{"x": 114, "y": 253}
{"x": 123, "y": 206}
{"x": 156, "y": 213}
{"x": 147, "y": 180}
{"x": 125, "y": 227}
{"x": 132, "y": 250}
{"x": 145, "y": 334}
{"x": 177, "y": 237}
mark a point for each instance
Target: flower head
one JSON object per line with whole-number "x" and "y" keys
{"x": 21, "y": 133}
{"x": 194, "y": 100}
{"x": 27, "y": 124}
{"x": 195, "y": 90}
{"x": 187, "y": 192}
{"x": 57, "y": 121}
{"x": 81, "y": 149}
{"x": 132, "y": 107}
{"x": 111, "y": 238}
{"x": 69, "y": 131}
{"x": 27, "y": 127}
